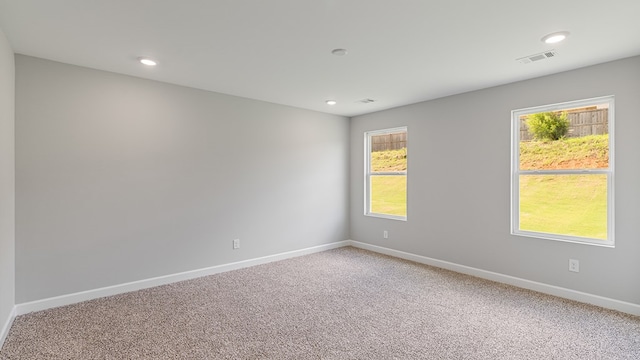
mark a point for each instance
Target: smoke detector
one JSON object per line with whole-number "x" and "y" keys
{"x": 538, "y": 57}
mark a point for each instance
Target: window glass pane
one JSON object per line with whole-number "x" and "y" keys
{"x": 389, "y": 194}
{"x": 572, "y": 138}
{"x": 574, "y": 205}
{"x": 389, "y": 152}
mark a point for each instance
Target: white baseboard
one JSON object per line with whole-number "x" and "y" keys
{"x": 7, "y": 326}
{"x": 69, "y": 299}
{"x": 626, "y": 307}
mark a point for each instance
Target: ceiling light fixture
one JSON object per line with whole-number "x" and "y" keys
{"x": 331, "y": 102}
{"x": 555, "y": 37}
{"x": 147, "y": 61}
{"x": 339, "y": 52}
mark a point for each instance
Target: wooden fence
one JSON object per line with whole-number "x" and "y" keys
{"x": 581, "y": 123}
{"x": 389, "y": 141}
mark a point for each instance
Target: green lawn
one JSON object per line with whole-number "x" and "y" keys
{"x": 586, "y": 152}
{"x": 389, "y": 195}
{"x": 390, "y": 160}
{"x": 573, "y": 205}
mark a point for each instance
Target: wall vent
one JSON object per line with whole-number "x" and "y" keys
{"x": 538, "y": 57}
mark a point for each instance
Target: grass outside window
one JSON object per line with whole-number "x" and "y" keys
{"x": 389, "y": 195}
{"x": 574, "y": 205}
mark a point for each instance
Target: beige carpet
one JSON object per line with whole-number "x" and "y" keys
{"x": 340, "y": 304}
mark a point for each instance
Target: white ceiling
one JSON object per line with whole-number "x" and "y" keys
{"x": 399, "y": 51}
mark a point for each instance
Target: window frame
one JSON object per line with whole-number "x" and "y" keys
{"x": 368, "y": 173}
{"x": 516, "y": 172}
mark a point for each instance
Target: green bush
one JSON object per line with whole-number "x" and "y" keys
{"x": 548, "y": 125}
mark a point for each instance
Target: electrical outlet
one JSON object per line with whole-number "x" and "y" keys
{"x": 236, "y": 243}
{"x": 385, "y": 234}
{"x": 574, "y": 265}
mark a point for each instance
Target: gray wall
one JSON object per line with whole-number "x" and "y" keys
{"x": 120, "y": 179}
{"x": 459, "y": 188}
{"x": 7, "y": 178}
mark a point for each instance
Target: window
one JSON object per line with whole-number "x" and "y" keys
{"x": 386, "y": 173}
{"x": 562, "y": 172}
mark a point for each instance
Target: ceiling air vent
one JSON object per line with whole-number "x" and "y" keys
{"x": 366, "y": 101}
{"x": 538, "y": 57}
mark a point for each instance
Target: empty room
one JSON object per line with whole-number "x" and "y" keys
{"x": 329, "y": 179}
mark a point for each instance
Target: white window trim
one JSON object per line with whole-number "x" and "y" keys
{"x": 515, "y": 172}
{"x": 367, "y": 174}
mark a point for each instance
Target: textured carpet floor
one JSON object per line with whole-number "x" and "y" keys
{"x": 339, "y": 304}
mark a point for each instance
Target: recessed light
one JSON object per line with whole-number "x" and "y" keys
{"x": 147, "y": 61}
{"x": 339, "y": 52}
{"x": 331, "y": 102}
{"x": 555, "y": 37}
